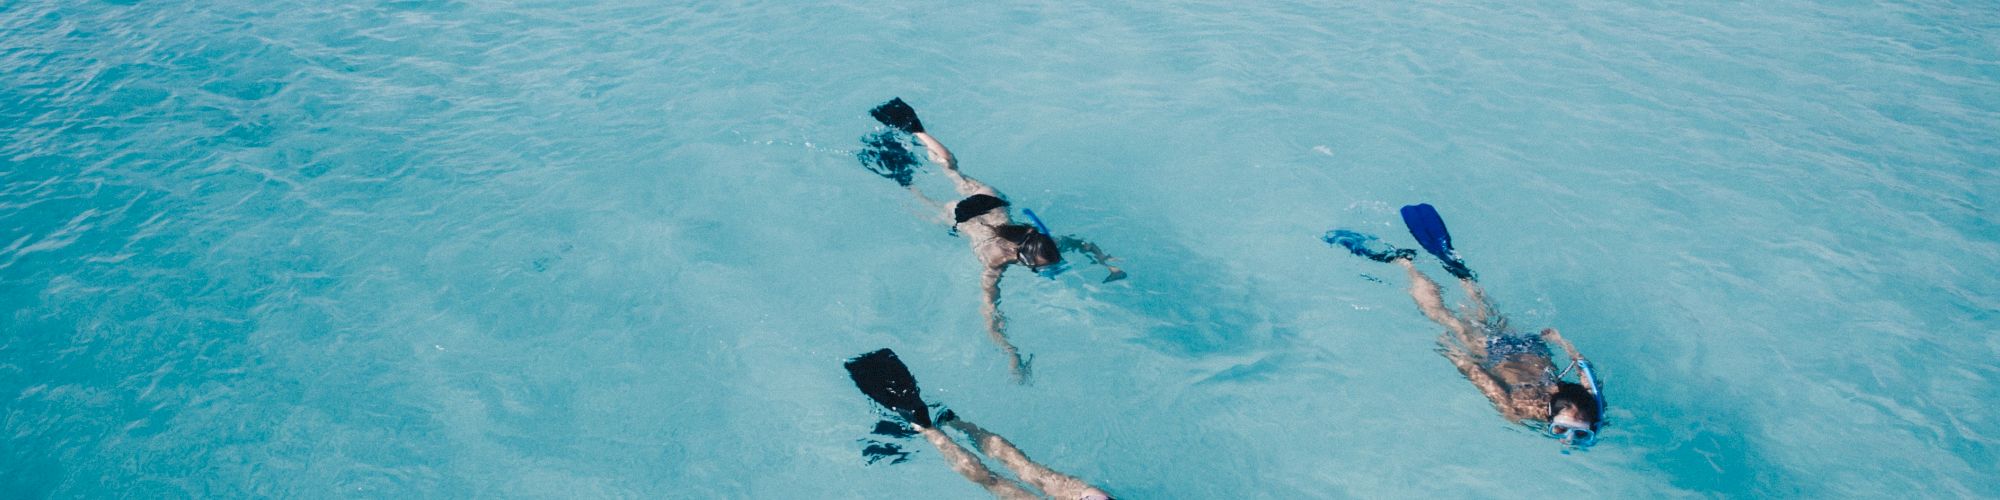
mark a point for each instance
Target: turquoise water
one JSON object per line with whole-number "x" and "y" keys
{"x": 619, "y": 249}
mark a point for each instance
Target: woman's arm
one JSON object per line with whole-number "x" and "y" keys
{"x": 1491, "y": 388}
{"x": 1551, "y": 335}
{"x": 996, "y": 324}
{"x": 1071, "y": 243}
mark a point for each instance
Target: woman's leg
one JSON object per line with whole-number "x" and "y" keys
{"x": 939, "y": 212}
{"x": 1052, "y": 483}
{"x": 1431, "y": 301}
{"x": 970, "y": 467}
{"x": 967, "y": 186}
{"x": 1480, "y": 310}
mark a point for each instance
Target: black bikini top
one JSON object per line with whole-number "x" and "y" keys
{"x": 974, "y": 206}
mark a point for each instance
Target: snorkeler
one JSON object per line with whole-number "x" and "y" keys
{"x": 882, "y": 376}
{"x": 1516, "y": 371}
{"x": 997, "y": 240}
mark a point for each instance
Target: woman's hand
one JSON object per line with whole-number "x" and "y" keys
{"x": 1551, "y": 335}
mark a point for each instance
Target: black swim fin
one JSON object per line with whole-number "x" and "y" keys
{"x": 898, "y": 115}
{"x": 882, "y": 376}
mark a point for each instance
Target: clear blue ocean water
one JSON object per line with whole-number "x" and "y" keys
{"x": 619, "y": 249}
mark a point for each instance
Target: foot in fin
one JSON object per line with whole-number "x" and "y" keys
{"x": 898, "y": 115}
{"x": 882, "y": 376}
{"x": 1457, "y": 269}
{"x": 1360, "y": 244}
{"x": 1428, "y": 228}
{"x": 883, "y": 153}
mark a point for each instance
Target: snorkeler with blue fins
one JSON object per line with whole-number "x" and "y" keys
{"x": 1516, "y": 371}
{"x": 981, "y": 216}
{"x": 883, "y": 377}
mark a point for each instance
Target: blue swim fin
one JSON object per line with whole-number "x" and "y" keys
{"x": 1428, "y": 228}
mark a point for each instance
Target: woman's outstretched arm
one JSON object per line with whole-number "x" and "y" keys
{"x": 1551, "y": 335}
{"x": 996, "y": 324}
{"x": 1071, "y": 243}
{"x": 970, "y": 467}
{"x": 1491, "y": 388}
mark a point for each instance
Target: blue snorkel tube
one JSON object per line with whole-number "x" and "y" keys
{"x": 1596, "y": 386}
{"x": 1052, "y": 270}
{"x": 1589, "y": 377}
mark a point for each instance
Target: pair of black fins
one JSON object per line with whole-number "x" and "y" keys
{"x": 1425, "y": 225}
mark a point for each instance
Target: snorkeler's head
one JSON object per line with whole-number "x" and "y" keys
{"x": 1032, "y": 247}
{"x": 1574, "y": 414}
{"x": 1577, "y": 401}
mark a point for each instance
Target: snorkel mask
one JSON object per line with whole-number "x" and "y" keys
{"x": 1572, "y": 432}
{"x": 1021, "y": 251}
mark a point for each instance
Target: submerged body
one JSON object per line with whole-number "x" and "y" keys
{"x": 981, "y": 215}
{"x": 1516, "y": 372}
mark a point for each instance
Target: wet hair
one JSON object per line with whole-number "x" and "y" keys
{"x": 1031, "y": 241}
{"x": 1576, "y": 395}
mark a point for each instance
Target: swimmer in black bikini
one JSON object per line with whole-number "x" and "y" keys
{"x": 1517, "y": 372}
{"x": 981, "y": 217}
